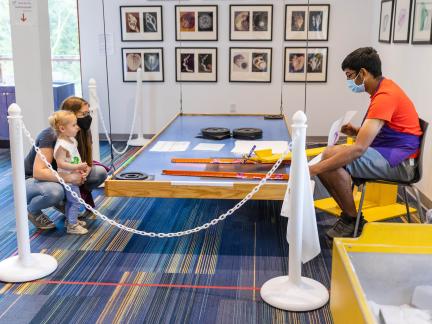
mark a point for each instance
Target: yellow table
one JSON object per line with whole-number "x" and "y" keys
{"x": 382, "y": 265}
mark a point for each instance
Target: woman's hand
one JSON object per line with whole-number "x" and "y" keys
{"x": 85, "y": 173}
{"x": 349, "y": 130}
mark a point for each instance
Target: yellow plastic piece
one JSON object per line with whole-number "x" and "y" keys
{"x": 348, "y": 303}
{"x": 380, "y": 203}
{"x": 267, "y": 156}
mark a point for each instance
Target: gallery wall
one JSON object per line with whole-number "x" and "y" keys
{"x": 410, "y": 66}
{"x": 325, "y": 101}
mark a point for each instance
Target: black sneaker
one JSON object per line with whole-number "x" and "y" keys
{"x": 41, "y": 221}
{"x": 345, "y": 226}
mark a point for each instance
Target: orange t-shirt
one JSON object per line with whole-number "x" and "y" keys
{"x": 392, "y": 105}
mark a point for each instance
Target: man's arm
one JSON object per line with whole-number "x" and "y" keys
{"x": 346, "y": 155}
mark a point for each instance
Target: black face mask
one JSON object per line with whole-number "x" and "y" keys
{"x": 84, "y": 122}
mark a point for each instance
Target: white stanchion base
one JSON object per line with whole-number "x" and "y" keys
{"x": 282, "y": 294}
{"x": 40, "y": 265}
{"x": 139, "y": 141}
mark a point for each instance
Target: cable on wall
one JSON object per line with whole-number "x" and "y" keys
{"x": 107, "y": 84}
{"x": 180, "y": 74}
{"x": 281, "y": 110}
{"x": 306, "y": 60}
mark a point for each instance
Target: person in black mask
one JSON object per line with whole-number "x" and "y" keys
{"x": 43, "y": 190}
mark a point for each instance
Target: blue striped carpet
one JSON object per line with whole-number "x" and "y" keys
{"x": 108, "y": 276}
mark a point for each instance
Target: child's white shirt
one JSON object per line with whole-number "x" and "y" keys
{"x": 71, "y": 146}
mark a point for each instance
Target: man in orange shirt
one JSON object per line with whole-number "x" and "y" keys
{"x": 387, "y": 142}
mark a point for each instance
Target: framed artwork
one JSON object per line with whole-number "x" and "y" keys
{"x": 196, "y": 23}
{"x": 385, "y": 25}
{"x": 303, "y": 22}
{"x": 422, "y": 26}
{"x": 150, "y": 60}
{"x": 196, "y": 64}
{"x": 402, "y": 21}
{"x": 302, "y": 62}
{"x": 251, "y": 22}
{"x": 141, "y": 23}
{"x": 250, "y": 64}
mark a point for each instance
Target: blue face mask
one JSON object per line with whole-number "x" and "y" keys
{"x": 354, "y": 87}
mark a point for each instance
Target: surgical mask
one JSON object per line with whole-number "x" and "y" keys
{"x": 84, "y": 122}
{"x": 354, "y": 87}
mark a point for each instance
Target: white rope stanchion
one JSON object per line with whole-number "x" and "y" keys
{"x": 139, "y": 109}
{"x": 94, "y": 106}
{"x": 294, "y": 292}
{"x": 25, "y": 266}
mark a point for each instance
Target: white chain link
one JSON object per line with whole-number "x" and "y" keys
{"x": 96, "y": 98}
{"x": 152, "y": 234}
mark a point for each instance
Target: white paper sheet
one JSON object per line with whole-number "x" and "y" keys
{"x": 335, "y": 128}
{"x": 167, "y": 146}
{"x": 244, "y": 147}
{"x": 208, "y": 147}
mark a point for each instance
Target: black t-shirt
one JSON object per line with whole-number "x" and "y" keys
{"x": 46, "y": 139}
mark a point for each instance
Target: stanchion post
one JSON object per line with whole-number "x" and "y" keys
{"x": 294, "y": 292}
{"x": 139, "y": 108}
{"x": 94, "y": 106}
{"x": 25, "y": 266}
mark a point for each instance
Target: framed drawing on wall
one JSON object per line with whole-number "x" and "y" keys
{"x": 385, "y": 25}
{"x": 422, "y": 26}
{"x": 196, "y": 23}
{"x": 250, "y": 64}
{"x": 302, "y": 22}
{"x": 196, "y": 64}
{"x": 150, "y": 60}
{"x": 299, "y": 60}
{"x": 251, "y": 22}
{"x": 402, "y": 21}
{"x": 141, "y": 23}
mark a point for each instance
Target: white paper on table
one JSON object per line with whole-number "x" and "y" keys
{"x": 208, "y": 147}
{"x": 244, "y": 147}
{"x": 335, "y": 128}
{"x": 167, "y": 146}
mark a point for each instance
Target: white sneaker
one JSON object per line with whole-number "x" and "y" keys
{"x": 76, "y": 229}
{"x": 80, "y": 222}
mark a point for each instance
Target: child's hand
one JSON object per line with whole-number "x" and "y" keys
{"x": 81, "y": 166}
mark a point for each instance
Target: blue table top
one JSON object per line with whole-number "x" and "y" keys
{"x": 187, "y": 128}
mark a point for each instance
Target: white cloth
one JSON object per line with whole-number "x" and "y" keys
{"x": 310, "y": 239}
{"x": 71, "y": 146}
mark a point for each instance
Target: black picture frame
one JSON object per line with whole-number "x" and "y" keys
{"x": 296, "y": 72}
{"x": 189, "y": 18}
{"x": 154, "y": 31}
{"x": 250, "y": 73}
{"x": 198, "y": 74}
{"x": 398, "y": 21}
{"x": 386, "y": 21}
{"x": 305, "y": 13}
{"x": 427, "y": 38}
{"x": 249, "y": 34}
{"x": 129, "y": 72}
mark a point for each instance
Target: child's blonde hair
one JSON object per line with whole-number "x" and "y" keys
{"x": 60, "y": 118}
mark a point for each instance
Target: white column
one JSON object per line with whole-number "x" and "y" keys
{"x": 294, "y": 292}
{"x": 140, "y": 113}
{"x": 25, "y": 266}
{"x": 94, "y": 107}
{"x": 32, "y": 62}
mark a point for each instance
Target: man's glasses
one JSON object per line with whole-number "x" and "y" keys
{"x": 351, "y": 76}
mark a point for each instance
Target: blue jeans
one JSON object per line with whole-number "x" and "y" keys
{"x": 72, "y": 205}
{"x": 45, "y": 194}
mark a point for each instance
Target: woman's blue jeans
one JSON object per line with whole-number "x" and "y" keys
{"x": 45, "y": 194}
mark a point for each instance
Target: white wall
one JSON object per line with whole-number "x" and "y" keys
{"x": 326, "y": 101}
{"x": 410, "y": 66}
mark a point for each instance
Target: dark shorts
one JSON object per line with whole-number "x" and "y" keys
{"x": 372, "y": 165}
